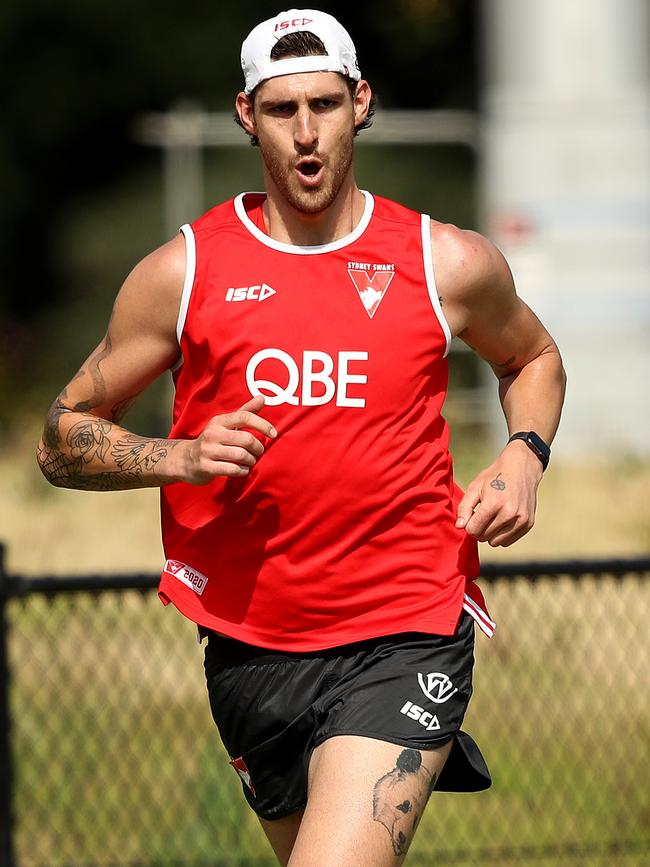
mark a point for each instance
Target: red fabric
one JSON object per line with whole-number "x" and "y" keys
{"x": 344, "y": 530}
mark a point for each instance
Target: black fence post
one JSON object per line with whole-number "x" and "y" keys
{"x": 6, "y": 769}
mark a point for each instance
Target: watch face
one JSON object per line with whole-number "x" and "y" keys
{"x": 537, "y": 444}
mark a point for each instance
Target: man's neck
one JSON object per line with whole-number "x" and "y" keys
{"x": 290, "y": 226}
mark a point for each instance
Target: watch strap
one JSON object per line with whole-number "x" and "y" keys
{"x": 535, "y": 443}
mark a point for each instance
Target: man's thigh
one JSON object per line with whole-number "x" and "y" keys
{"x": 366, "y": 797}
{"x": 281, "y": 834}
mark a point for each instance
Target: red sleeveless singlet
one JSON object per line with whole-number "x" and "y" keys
{"x": 345, "y": 528}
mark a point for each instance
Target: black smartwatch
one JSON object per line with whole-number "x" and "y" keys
{"x": 535, "y": 443}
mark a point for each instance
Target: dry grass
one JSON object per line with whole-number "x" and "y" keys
{"x": 585, "y": 510}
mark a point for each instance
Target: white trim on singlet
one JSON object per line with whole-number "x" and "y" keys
{"x": 356, "y": 233}
{"x": 188, "y": 284}
{"x": 486, "y": 624}
{"x": 431, "y": 280}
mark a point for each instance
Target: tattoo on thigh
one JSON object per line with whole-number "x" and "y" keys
{"x": 400, "y": 796}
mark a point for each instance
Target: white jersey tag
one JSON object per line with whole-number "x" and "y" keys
{"x": 194, "y": 580}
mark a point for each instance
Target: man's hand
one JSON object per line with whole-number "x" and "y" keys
{"x": 499, "y": 504}
{"x": 225, "y": 450}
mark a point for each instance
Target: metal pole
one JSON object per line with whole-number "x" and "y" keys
{"x": 6, "y": 769}
{"x": 183, "y": 168}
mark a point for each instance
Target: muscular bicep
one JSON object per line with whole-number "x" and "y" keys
{"x": 140, "y": 342}
{"x": 494, "y": 321}
{"x": 507, "y": 336}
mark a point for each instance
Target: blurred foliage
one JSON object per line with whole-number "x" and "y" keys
{"x": 81, "y": 201}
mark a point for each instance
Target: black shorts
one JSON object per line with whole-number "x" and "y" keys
{"x": 273, "y": 708}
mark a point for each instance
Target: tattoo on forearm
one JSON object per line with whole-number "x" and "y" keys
{"x": 130, "y": 460}
{"x": 89, "y": 439}
{"x": 400, "y": 796}
{"x": 498, "y": 484}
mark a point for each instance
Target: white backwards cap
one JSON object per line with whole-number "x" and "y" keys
{"x": 256, "y": 49}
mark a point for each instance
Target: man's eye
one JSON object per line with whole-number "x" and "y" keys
{"x": 325, "y": 103}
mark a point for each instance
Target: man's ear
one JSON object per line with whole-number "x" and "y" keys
{"x": 244, "y": 108}
{"x": 361, "y": 100}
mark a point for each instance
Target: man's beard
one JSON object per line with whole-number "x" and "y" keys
{"x": 309, "y": 201}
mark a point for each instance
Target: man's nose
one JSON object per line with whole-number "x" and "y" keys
{"x": 305, "y": 131}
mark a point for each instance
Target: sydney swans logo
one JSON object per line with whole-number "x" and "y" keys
{"x": 371, "y": 282}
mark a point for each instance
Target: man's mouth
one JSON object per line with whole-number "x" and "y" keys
{"x": 310, "y": 171}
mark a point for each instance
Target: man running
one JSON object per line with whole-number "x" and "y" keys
{"x": 311, "y": 524}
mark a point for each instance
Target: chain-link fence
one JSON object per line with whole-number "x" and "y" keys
{"x": 111, "y": 756}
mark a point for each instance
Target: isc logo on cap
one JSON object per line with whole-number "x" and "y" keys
{"x": 295, "y": 22}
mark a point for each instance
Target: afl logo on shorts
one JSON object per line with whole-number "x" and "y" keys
{"x": 240, "y": 766}
{"x": 437, "y": 686}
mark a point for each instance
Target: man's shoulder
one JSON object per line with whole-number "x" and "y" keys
{"x": 218, "y": 216}
{"x": 387, "y": 209}
{"x": 465, "y": 248}
{"x": 467, "y": 264}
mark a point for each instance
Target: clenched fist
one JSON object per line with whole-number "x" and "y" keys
{"x": 223, "y": 449}
{"x": 499, "y": 504}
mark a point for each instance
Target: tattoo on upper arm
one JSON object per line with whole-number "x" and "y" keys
{"x": 52, "y": 433}
{"x": 91, "y": 439}
{"x": 498, "y": 484}
{"x": 121, "y": 408}
{"x": 502, "y": 365}
{"x": 400, "y": 796}
{"x": 499, "y": 365}
{"x": 99, "y": 386}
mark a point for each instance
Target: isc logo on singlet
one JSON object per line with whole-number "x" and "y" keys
{"x": 315, "y": 380}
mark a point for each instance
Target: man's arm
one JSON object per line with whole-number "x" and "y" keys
{"x": 483, "y": 309}
{"x": 83, "y": 445}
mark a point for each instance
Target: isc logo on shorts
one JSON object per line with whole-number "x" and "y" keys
{"x": 424, "y": 717}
